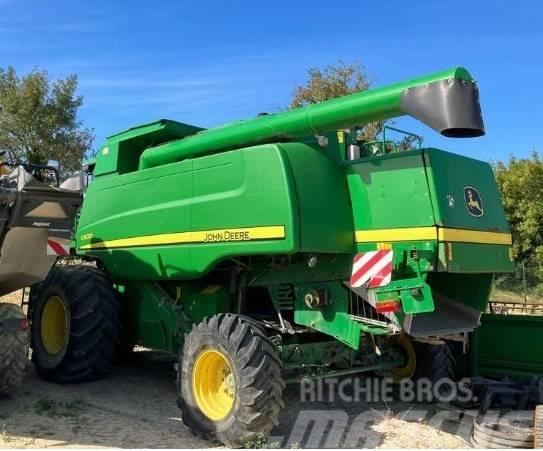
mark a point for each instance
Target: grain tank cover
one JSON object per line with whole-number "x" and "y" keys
{"x": 120, "y": 154}
{"x": 157, "y": 132}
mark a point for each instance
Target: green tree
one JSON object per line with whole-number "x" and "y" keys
{"x": 337, "y": 81}
{"x": 38, "y": 119}
{"x": 332, "y": 82}
{"x": 521, "y": 186}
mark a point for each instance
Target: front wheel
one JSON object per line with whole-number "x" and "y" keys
{"x": 75, "y": 324}
{"x": 230, "y": 382}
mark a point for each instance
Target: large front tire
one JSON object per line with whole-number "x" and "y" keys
{"x": 230, "y": 382}
{"x": 13, "y": 347}
{"x": 75, "y": 324}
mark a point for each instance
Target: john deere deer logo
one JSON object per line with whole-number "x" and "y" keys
{"x": 474, "y": 202}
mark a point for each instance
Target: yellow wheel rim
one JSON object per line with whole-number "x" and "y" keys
{"x": 213, "y": 384}
{"x": 54, "y": 325}
{"x": 408, "y": 370}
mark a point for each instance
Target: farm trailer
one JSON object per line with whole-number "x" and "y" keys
{"x": 279, "y": 248}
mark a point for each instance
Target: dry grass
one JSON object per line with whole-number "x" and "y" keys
{"x": 12, "y": 298}
{"x": 498, "y": 295}
{"x": 400, "y": 433}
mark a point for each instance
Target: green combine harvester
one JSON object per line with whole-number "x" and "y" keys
{"x": 279, "y": 248}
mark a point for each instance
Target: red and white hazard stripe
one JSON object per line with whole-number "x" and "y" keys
{"x": 58, "y": 246}
{"x": 373, "y": 268}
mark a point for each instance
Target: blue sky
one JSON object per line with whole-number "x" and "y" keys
{"x": 209, "y": 62}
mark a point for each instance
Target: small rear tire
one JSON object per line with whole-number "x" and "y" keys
{"x": 436, "y": 364}
{"x": 435, "y": 361}
{"x": 75, "y": 324}
{"x": 13, "y": 349}
{"x": 230, "y": 382}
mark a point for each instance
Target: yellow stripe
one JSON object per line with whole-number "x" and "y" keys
{"x": 433, "y": 233}
{"x": 474, "y": 236}
{"x": 202, "y": 236}
{"x": 406, "y": 234}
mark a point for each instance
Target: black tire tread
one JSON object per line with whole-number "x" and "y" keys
{"x": 435, "y": 361}
{"x": 261, "y": 380}
{"x": 13, "y": 351}
{"x": 95, "y": 323}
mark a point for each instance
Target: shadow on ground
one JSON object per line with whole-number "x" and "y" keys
{"x": 134, "y": 407}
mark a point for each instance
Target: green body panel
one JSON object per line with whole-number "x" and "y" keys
{"x": 247, "y": 188}
{"x": 470, "y": 289}
{"x": 508, "y": 345}
{"x": 474, "y": 258}
{"x": 423, "y": 189}
{"x": 326, "y": 218}
{"x": 381, "y": 189}
{"x": 448, "y": 174}
{"x": 153, "y": 319}
{"x": 210, "y": 193}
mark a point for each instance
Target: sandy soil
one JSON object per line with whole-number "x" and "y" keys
{"x": 134, "y": 407}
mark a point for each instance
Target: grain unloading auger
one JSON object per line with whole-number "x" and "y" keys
{"x": 447, "y": 101}
{"x": 277, "y": 248}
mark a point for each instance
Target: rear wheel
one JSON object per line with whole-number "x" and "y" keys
{"x": 13, "y": 347}
{"x": 435, "y": 361}
{"x": 436, "y": 364}
{"x": 230, "y": 382}
{"x": 75, "y": 324}
{"x": 407, "y": 370}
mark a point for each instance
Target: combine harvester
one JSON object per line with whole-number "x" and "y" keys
{"x": 36, "y": 221}
{"x": 279, "y": 248}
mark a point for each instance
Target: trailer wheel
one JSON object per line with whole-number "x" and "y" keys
{"x": 13, "y": 347}
{"x": 229, "y": 382}
{"x": 75, "y": 324}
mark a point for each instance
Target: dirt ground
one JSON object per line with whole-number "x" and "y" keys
{"x": 134, "y": 407}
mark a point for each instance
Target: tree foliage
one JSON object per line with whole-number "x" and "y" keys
{"x": 337, "y": 81}
{"x": 332, "y": 82}
{"x": 38, "y": 119}
{"x": 521, "y": 186}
